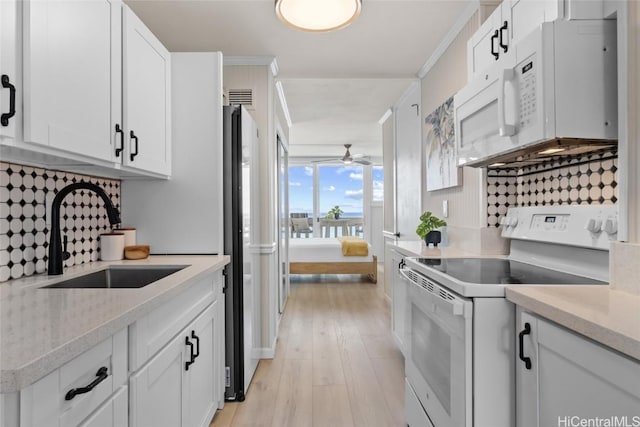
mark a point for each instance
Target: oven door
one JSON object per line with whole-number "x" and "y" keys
{"x": 438, "y": 342}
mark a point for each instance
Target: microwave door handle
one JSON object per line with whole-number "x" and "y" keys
{"x": 504, "y": 129}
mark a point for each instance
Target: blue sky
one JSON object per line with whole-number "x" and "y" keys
{"x": 339, "y": 185}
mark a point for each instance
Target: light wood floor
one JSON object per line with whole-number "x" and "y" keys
{"x": 336, "y": 363}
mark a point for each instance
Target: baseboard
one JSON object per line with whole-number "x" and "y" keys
{"x": 266, "y": 352}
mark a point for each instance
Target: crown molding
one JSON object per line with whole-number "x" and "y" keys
{"x": 265, "y": 60}
{"x": 413, "y": 86}
{"x": 283, "y": 102}
{"x": 451, "y": 35}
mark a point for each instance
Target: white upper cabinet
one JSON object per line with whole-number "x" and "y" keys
{"x": 147, "y": 112}
{"x": 69, "y": 50}
{"x": 93, "y": 83}
{"x": 9, "y": 71}
{"x": 515, "y": 19}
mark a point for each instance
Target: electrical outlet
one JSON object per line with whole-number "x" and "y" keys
{"x": 445, "y": 208}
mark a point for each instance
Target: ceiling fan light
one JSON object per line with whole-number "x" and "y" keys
{"x": 347, "y": 161}
{"x": 318, "y": 15}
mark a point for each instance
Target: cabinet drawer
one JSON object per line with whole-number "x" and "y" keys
{"x": 44, "y": 404}
{"x": 152, "y": 332}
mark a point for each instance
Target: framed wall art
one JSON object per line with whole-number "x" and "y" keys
{"x": 440, "y": 148}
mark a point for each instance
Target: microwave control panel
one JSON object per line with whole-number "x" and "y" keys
{"x": 527, "y": 71}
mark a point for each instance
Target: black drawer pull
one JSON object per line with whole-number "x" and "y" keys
{"x": 504, "y": 46}
{"x": 4, "y": 119}
{"x": 102, "y": 375}
{"x": 493, "y": 39}
{"x": 525, "y": 331}
{"x": 121, "y": 148}
{"x": 134, "y": 138}
{"x": 191, "y": 357}
{"x": 197, "y": 338}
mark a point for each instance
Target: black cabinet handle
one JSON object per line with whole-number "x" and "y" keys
{"x": 121, "y": 148}
{"x": 191, "y": 356}
{"x": 102, "y": 375}
{"x": 197, "y": 338}
{"x": 493, "y": 39}
{"x": 134, "y": 138}
{"x": 505, "y": 47}
{"x": 525, "y": 331}
{"x": 4, "y": 119}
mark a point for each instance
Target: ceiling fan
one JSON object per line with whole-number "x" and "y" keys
{"x": 348, "y": 158}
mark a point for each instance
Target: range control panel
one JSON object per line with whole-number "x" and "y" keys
{"x": 585, "y": 226}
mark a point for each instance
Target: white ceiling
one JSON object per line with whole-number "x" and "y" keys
{"x": 338, "y": 84}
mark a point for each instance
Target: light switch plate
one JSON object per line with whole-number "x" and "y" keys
{"x": 445, "y": 208}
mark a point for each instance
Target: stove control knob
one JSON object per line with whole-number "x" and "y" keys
{"x": 610, "y": 226}
{"x": 503, "y": 220}
{"x": 513, "y": 221}
{"x": 594, "y": 225}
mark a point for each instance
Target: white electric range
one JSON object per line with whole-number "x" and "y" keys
{"x": 460, "y": 338}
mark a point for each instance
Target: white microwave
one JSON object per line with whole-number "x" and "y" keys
{"x": 557, "y": 84}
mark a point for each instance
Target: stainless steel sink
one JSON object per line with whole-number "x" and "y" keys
{"x": 120, "y": 277}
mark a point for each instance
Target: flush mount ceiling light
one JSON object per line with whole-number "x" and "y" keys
{"x": 318, "y": 15}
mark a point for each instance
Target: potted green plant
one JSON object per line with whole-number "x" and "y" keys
{"x": 427, "y": 228}
{"x": 334, "y": 212}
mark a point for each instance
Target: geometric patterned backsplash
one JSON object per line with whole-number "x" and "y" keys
{"x": 591, "y": 179}
{"x": 24, "y": 234}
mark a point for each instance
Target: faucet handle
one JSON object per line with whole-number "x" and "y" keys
{"x": 65, "y": 254}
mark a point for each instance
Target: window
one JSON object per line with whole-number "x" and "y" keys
{"x": 341, "y": 186}
{"x": 301, "y": 190}
{"x": 377, "y": 183}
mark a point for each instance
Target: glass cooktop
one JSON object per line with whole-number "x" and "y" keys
{"x": 502, "y": 271}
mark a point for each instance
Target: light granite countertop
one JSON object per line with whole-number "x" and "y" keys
{"x": 605, "y": 315}
{"x": 41, "y": 329}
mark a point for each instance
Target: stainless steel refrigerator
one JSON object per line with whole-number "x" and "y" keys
{"x": 240, "y": 141}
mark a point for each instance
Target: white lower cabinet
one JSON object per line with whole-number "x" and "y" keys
{"x": 70, "y": 394}
{"x": 114, "y": 413}
{"x": 165, "y": 369}
{"x": 177, "y": 387}
{"x": 565, "y": 379}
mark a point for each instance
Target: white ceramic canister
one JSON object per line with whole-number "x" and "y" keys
{"x": 129, "y": 235}
{"x": 111, "y": 246}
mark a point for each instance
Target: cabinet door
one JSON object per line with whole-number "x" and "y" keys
{"x": 69, "y": 49}
{"x": 579, "y": 377}
{"x": 9, "y": 69}
{"x": 114, "y": 413}
{"x": 526, "y": 375}
{"x": 483, "y": 47}
{"x": 524, "y": 16}
{"x": 399, "y": 296}
{"x": 158, "y": 389}
{"x": 146, "y": 73}
{"x": 571, "y": 376}
{"x": 200, "y": 386}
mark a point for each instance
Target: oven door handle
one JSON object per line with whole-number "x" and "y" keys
{"x": 455, "y": 306}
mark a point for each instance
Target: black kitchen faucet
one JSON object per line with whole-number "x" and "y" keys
{"x": 55, "y": 245}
